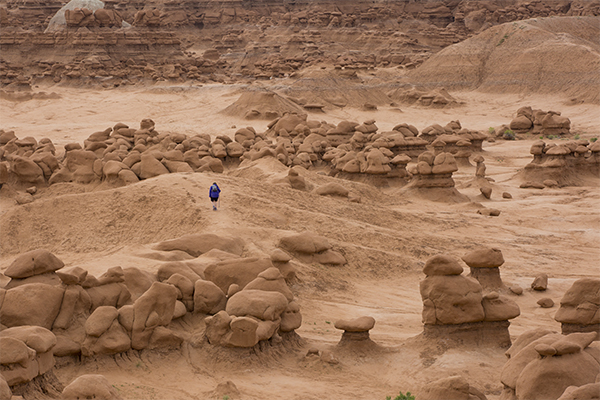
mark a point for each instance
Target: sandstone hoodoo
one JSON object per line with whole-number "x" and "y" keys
{"x": 485, "y": 263}
{"x": 570, "y": 164}
{"x": 578, "y": 311}
{"x": 94, "y": 316}
{"x": 543, "y": 364}
{"x": 121, "y": 155}
{"x": 355, "y": 330}
{"x": 549, "y": 123}
{"x": 356, "y": 144}
{"x": 455, "y": 307}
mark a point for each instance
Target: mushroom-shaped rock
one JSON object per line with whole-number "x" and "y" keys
{"x": 377, "y": 163}
{"x": 484, "y": 257}
{"x": 35, "y": 262}
{"x": 361, "y": 324}
{"x": 484, "y": 263}
{"x": 523, "y": 352}
{"x": 114, "y": 340}
{"x": 355, "y": 330}
{"x": 521, "y": 123}
{"x": 442, "y": 264}
{"x": 580, "y": 308}
{"x": 90, "y": 387}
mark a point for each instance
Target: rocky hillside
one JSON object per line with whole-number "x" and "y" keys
{"x": 134, "y": 41}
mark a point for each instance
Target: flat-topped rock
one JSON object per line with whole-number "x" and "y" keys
{"x": 35, "y": 262}
{"x": 442, "y": 264}
{"x": 484, "y": 257}
{"x": 361, "y": 324}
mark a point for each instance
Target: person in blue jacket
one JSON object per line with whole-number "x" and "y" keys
{"x": 213, "y": 193}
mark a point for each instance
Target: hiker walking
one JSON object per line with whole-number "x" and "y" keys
{"x": 213, "y": 193}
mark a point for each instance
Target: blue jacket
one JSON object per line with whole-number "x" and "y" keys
{"x": 214, "y": 194}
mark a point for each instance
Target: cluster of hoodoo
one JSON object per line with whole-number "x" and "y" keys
{"x": 121, "y": 155}
{"x": 562, "y": 164}
{"x": 544, "y": 365}
{"x": 128, "y": 308}
{"x": 434, "y": 171}
{"x": 456, "y": 308}
{"x": 533, "y": 121}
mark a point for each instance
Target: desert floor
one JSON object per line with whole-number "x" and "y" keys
{"x": 386, "y": 237}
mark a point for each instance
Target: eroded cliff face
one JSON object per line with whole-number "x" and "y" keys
{"x": 135, "y": 41}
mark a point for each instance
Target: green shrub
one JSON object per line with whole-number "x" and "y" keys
{"x": 593, "y": 139}
{"x": 508, "y": 135}
{"x": 401, "y": 396}
{"x": 576, "y": 137}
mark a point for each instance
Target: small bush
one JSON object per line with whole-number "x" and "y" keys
{"x": 401, "y": 396}
{"x": 593, "y": 139}
{"x": 576, "y": 137}
{"x": 508, "y": 135}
